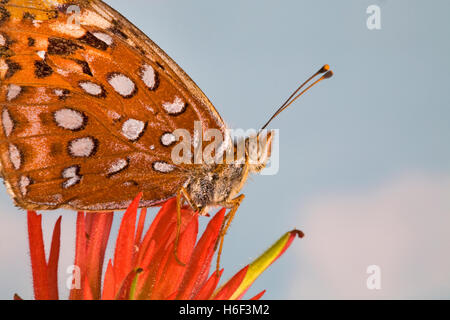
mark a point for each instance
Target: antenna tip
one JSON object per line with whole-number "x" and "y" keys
{"x": 324, "y": 69}
{"x": 328, "y": 74}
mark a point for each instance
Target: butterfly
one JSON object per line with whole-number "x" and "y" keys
{"x": 89, "y": 106}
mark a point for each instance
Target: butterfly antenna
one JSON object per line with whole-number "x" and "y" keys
{"x": 327, "y": 73}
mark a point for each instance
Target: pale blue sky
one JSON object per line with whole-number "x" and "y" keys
{"x": 379, "y": 126}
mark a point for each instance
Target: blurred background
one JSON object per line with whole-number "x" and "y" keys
{"x": 364, "y": 157}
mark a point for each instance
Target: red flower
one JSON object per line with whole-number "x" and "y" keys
{"x": 144, "y": 265}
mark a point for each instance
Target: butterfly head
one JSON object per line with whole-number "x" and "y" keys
{"x": 258, "y": 149}
{"x": 218, "y": 185}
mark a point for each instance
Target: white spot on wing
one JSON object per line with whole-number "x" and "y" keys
{"x": 91, "y": 88}
{"x": 2, "y": 40}
{"x": 37, "y": 23}
{"x": 122, "y": 84}
{"x": 128, "y": 184}
{"x": 62, "y": 72}
{"x": 72, "y": 176}
{"x": 148, "y": 75}
{"x": 69, "y": 119}
{"x": 82, "y": 147}
{"x": 41, "y": 54}
{"x": 117, "y": 166}
{"x": 59, "y": 92}
{"x": 106, "y": 38}
{"x": 15, "y": 156}
{"x": 150, "y": 109}
{"x": 163, "y": 167}
{"x": 113, "y": 115}
{"x": 91, "y": 18}
{"x": 24, "y": 182}
{"x": 8, "y": 123}
{"x": 13, "y": 91}
{"x": 175, "y": 107}
{"x": 41, "y": 95}
{"x": 132, "y": 129}
{"x": 105, "y": 14}
{"x": 168, "y": 138}
{"x": 69, "y": 29}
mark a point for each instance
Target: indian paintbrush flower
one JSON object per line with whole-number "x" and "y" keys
{"x": 144, "y": 265}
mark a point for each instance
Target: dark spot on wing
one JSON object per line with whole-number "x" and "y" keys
{"x": 13, "y": 67}
{"x": 93, "y": 41}
{"x": 160, "y": 65}
{"x": 61, "y": 46}
{"x": 46, "y": 118}
{"x": 28, "y": 16}
{"x": 42, "y": 69}
{"x": 4, "y": 15}
{"x": 64, "y": 94}
{"x": 116, "y": 30}
{"x": 52, "y": 14}
{"x": 56, "y": 149}
{"x": 63, "y": 7}
{"x": 142, "y": 51}
{"x": 5, "y": 52}
{"x": 85, "y": 66}
{"x": 31, "y": 42}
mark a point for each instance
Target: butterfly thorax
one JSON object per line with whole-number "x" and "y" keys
{"x": 216, "y": 185}
{"x": 219, "y": 184}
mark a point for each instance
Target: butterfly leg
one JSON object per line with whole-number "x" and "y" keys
{"x": 234, "y": 204}
{"x": 180, "y": 195}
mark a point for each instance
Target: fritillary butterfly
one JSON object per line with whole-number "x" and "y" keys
{"x": 89, "y": 105}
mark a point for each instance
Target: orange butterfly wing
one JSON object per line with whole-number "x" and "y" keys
{"x": 88, "y": 104}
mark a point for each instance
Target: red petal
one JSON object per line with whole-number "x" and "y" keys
{"x": 37, "y": 254}
{"x": 88, "y": 223}
{"x": 171, "y": 272}
{"x": 148, "y": 279}
{"x": 153, "y": 249}
{"x": 197, "y": 270}
{"x": 87, "y": 293}
{"x": 163, "y": 218}
{"x": 144, "y": 246}
{"x": 230, "y": 287}
{"x": 109, "y": 283}
{"x": 126, "y": 287}
{"x": 17, "y": 297}
{"x": 208, "y": 288}
{"x": 80, "y": 253}
{"x": 171, "y": 296}
{"x": 140, "y": 227}
{"x": 124, "y": 251}
{"x": 259, "y": 295}
{"x": 98, "y": 236}
{"x": 163, "y": 225}
{"x": 147, "y": 259}
{"x": 53, "y": 261}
